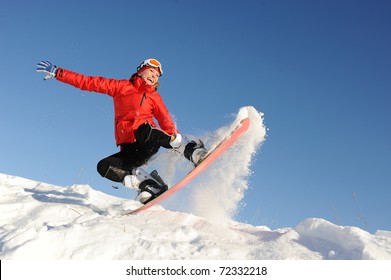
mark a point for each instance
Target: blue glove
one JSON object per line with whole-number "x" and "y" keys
{"x": 48, "y": 68}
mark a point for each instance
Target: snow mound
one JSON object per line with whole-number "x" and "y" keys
{"x": 43, "y": 221}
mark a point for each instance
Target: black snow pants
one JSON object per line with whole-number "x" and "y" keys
{"x": 133, "y": 155}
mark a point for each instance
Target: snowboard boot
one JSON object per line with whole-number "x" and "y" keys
{"x": 149, "y": 186}
{"x": 195, "y": 152}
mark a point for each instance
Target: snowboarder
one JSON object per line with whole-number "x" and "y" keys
{"x": 136, "y": 105}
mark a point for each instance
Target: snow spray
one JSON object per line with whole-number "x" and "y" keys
{"x": 217, "y": 192}
{"x": 224, "y": 183}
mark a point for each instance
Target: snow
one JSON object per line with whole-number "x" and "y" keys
{"x": 216, "y": 195}
{"x": 42, "y": 221}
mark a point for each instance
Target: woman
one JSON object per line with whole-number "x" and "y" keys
{"x": 136, "y": 105}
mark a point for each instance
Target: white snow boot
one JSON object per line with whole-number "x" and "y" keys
{"x": 149, "y": 186}
{"x": 195, "y": 152}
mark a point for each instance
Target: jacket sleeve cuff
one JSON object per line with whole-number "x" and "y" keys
{"x": 59, "y": 73}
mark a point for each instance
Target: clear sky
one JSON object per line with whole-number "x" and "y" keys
{"x": 320, "y": 71}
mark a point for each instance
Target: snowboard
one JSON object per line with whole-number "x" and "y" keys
{"x": 212, "y": 155}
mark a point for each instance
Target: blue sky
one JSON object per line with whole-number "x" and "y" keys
{"x": 320, "y": 71}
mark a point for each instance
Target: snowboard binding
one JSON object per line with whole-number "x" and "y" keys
{"x": 195, "y": 152}
{"x": 149, "y": 186}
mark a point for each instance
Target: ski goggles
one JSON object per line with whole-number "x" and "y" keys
{"x": 152, "y": 63}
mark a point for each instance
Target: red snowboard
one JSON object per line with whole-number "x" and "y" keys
{"x": 211, "y": 157}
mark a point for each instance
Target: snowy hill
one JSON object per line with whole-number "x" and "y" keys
{"x": 43, "y": 221}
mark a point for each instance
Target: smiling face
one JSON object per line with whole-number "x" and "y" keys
{"x": 150, "y": 76}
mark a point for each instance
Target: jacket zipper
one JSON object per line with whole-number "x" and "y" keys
{"x": 142, "y": 99}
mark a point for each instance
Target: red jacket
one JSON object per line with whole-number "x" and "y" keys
{"x": 135, "y": 102}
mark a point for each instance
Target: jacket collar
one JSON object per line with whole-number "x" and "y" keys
{"x": 140, "y": 84}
